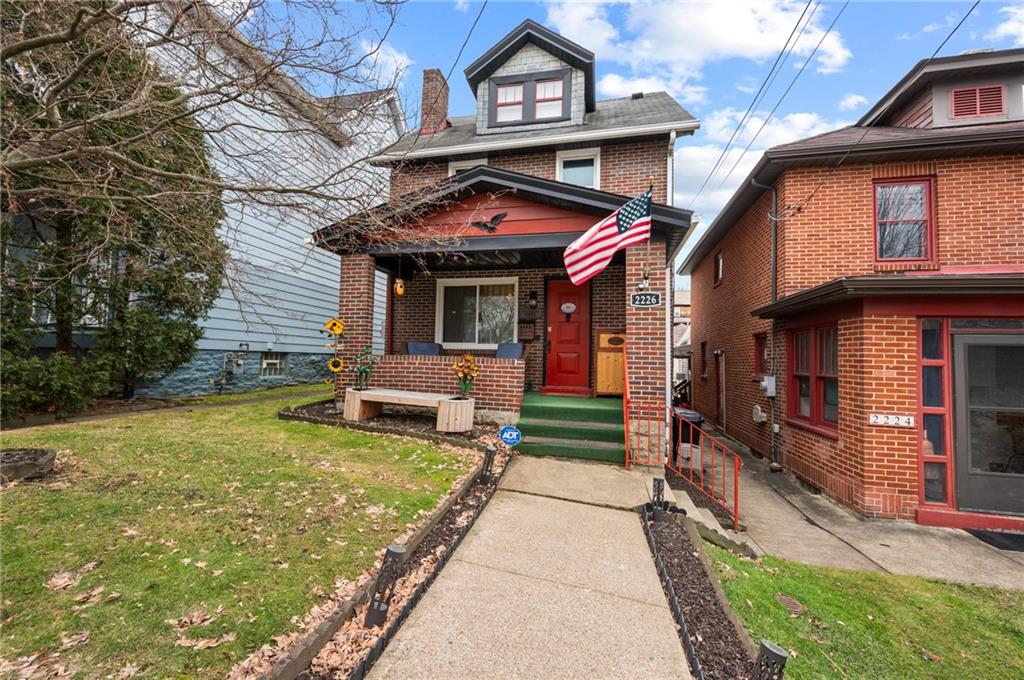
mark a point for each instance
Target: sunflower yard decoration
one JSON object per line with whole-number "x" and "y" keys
{"x": 466, "y": 370}
{"x": 336, "y": 327}
{"x": 335, "y": 365}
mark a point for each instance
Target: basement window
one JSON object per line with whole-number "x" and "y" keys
{"x": 271, "y": 364}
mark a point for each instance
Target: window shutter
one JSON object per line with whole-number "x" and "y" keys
{"x": 978, "y": 101}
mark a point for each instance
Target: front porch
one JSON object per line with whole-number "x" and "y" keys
{"x": 501, "y": 293}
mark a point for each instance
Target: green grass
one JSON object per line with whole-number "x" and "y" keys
{"x": 276, "y": 511}
{"x": 314, "y": 390}
{"x": 876, "y": 626}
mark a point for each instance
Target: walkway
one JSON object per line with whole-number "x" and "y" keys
{"x": 545, "y": 587}
{"x": 784, "y": 519}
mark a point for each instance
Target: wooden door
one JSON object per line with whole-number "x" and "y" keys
{"x": 568, "y": 335}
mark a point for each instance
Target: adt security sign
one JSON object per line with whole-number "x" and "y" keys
{"x": 510, "y": 435}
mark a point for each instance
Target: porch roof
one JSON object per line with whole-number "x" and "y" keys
{"x": 670, "y": 223}
{"x": 859, "y": 287}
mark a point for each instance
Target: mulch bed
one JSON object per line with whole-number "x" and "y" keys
{"x": 678, "y": 482}
{"x": 397, "y": 420}
{"x": 350, "y": 645}
{"x": 720, "y": 650}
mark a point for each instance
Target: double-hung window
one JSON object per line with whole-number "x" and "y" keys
{"x": 814, "y": 377}
{"x": 476, "y": 313}
{"x": 549, "y": 99}
{"x": 509, "y": 103}
{"x": 581, "y": 167}
{"x": 904, "y": 220}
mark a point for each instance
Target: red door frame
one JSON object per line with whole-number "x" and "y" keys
{"x": 550, "y": 318}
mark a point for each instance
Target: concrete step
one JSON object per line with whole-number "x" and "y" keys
{"x": 712, "y": 530}
{"x": 573, "y": 448}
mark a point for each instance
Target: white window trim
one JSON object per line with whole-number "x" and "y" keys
{"x": 576, "y": 155}
{"x": 439, "y": 310}
{"x": 455, "y": 166}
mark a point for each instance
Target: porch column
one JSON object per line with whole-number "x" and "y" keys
{"x": 355, "y": 308}
{"x": 646, "y": 357}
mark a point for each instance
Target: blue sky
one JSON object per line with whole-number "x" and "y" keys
{"x": 712, "y": 57}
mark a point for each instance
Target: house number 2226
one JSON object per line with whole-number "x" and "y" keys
{"x": 891, "y": 420}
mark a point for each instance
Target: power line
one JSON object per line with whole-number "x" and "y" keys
{"x": 791, "y": 84}
{"x": 765, "y": 83}
{"x": 881, "y": 114}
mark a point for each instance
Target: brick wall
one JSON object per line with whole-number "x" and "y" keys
{"x": 498, "y": 389}
{"x": 414, "y": 175}
{"x": 628, "y": 168}
{"x": 536, "y": 163}
{"x": 414, "y": 313}
{"x": 355, "y": 308}
{"x": 646, "y": 354}
{"x": 979, "y": 217}
{"x": 979, "y": 221}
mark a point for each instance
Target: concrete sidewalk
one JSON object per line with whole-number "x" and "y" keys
{"x": 544, "y": 587}
{"x": 784, "y": 519}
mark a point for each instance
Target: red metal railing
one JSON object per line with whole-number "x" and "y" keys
{"x": 708, "y": 465}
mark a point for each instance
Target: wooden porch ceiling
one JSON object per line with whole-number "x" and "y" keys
{"x": 478, "y": 260}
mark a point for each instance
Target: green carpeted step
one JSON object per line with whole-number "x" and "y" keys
{"x": 565, "y": 429}
{"x": 576, "y": 410}
{"x": 569, "y": 448}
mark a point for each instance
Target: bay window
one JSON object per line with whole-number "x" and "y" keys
{"x": 476, "y": 313}
{"x": 904, "y": 220}
{"x": 814, "y": 377}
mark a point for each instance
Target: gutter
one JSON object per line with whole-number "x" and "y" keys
{"x": 534, "y": 142}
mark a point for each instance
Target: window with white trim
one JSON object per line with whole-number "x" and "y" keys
{"x": 509, "y": 103}
{"x": 455, "y": 167}
{"x": 548, "y": 99}
{"x": 581, "y": 167}
{"x": 476, "y": 313}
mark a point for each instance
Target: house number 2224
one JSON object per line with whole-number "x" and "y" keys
{"x": 891, "y": 420}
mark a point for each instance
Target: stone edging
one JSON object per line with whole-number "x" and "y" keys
{"x": 288, "y": 413}
{"x": 298, "y": 659}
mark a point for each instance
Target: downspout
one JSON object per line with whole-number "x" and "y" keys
{"x": 773, "y": 224}
{"x": 669, "y": 291}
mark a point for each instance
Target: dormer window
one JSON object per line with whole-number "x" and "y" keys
{"x": 549, "y": 99}
{"x": 973, "y": 102}
{"x": 530, "y": 98}
{"x": 509, "y": 103}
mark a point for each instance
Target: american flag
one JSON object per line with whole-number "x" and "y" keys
{"x": 587, "y": 256}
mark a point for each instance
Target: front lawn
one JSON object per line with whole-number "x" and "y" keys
{"x": 226, "y": 513}
{"x": 869, "y": 625}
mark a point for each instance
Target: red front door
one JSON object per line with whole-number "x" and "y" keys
{"x": 568, "y": 336}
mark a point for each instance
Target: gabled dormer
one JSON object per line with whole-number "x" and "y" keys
{"x": 967, "y": 89}
{"x": 532, "y": 79}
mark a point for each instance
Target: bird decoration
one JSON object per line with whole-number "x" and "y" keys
{"x": 491, "y": 225}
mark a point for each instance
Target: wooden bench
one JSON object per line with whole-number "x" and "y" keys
{"x": 453, "y": 414}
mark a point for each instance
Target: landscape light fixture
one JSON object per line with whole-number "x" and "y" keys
{"x": 771, "y": 661}
{"x": 384, "y": 589}
{"x": 658, "y": 499}
{"x": 485, "y": 471}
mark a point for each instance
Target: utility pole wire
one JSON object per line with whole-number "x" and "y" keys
{"x": 791, "y": 84}
{"x": 880, "y": 115}
{"x": 765, "y": 83}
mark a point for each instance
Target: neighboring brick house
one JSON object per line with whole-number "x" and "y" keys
{"x": 886, "y": 300}
{"x": 545, "y": 160}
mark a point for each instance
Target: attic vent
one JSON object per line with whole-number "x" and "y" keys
{"x": 978, "y": 101}
{"x": 637, "y": 95}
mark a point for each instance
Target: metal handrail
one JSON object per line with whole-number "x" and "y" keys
{"x": 708, "y": 484}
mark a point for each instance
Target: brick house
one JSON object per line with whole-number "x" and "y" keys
{"x": 876, "y": 273}
{"x": 509, "y": 187}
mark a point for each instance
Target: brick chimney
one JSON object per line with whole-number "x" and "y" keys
{"x": 434, "y": 105}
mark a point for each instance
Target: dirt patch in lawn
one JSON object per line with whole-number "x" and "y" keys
{"x": 678, "y": 482}
{"x": 720, "y": 650}
{"x": 396, "y": 420}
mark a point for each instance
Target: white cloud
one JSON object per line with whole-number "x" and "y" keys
{"x": 387, "y": 65}
{"x": 462, "y": 5}
{"x": 714, "y": 31}
{"x": 719, "y": 125}
{"x": 1012, "y": 27}
{"x": 614, "y": 85}
{"x": 851, "y": 101}
{"x": 692, "y": 165}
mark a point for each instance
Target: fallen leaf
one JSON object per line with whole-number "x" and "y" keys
{"x": 69, "y": 641}
{"x": 205, "y": 643}
{"x": 62, "y": 580}
{"x": 196, "y": 618}
{"x": 129, "y": 671}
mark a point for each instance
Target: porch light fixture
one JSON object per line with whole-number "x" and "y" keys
{"x": 384, "y": 589}
{"x": 645, "y": 280}
{"x": 532, "y": 300}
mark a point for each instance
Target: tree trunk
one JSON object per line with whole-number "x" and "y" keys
{"x": 64, "y": 294}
